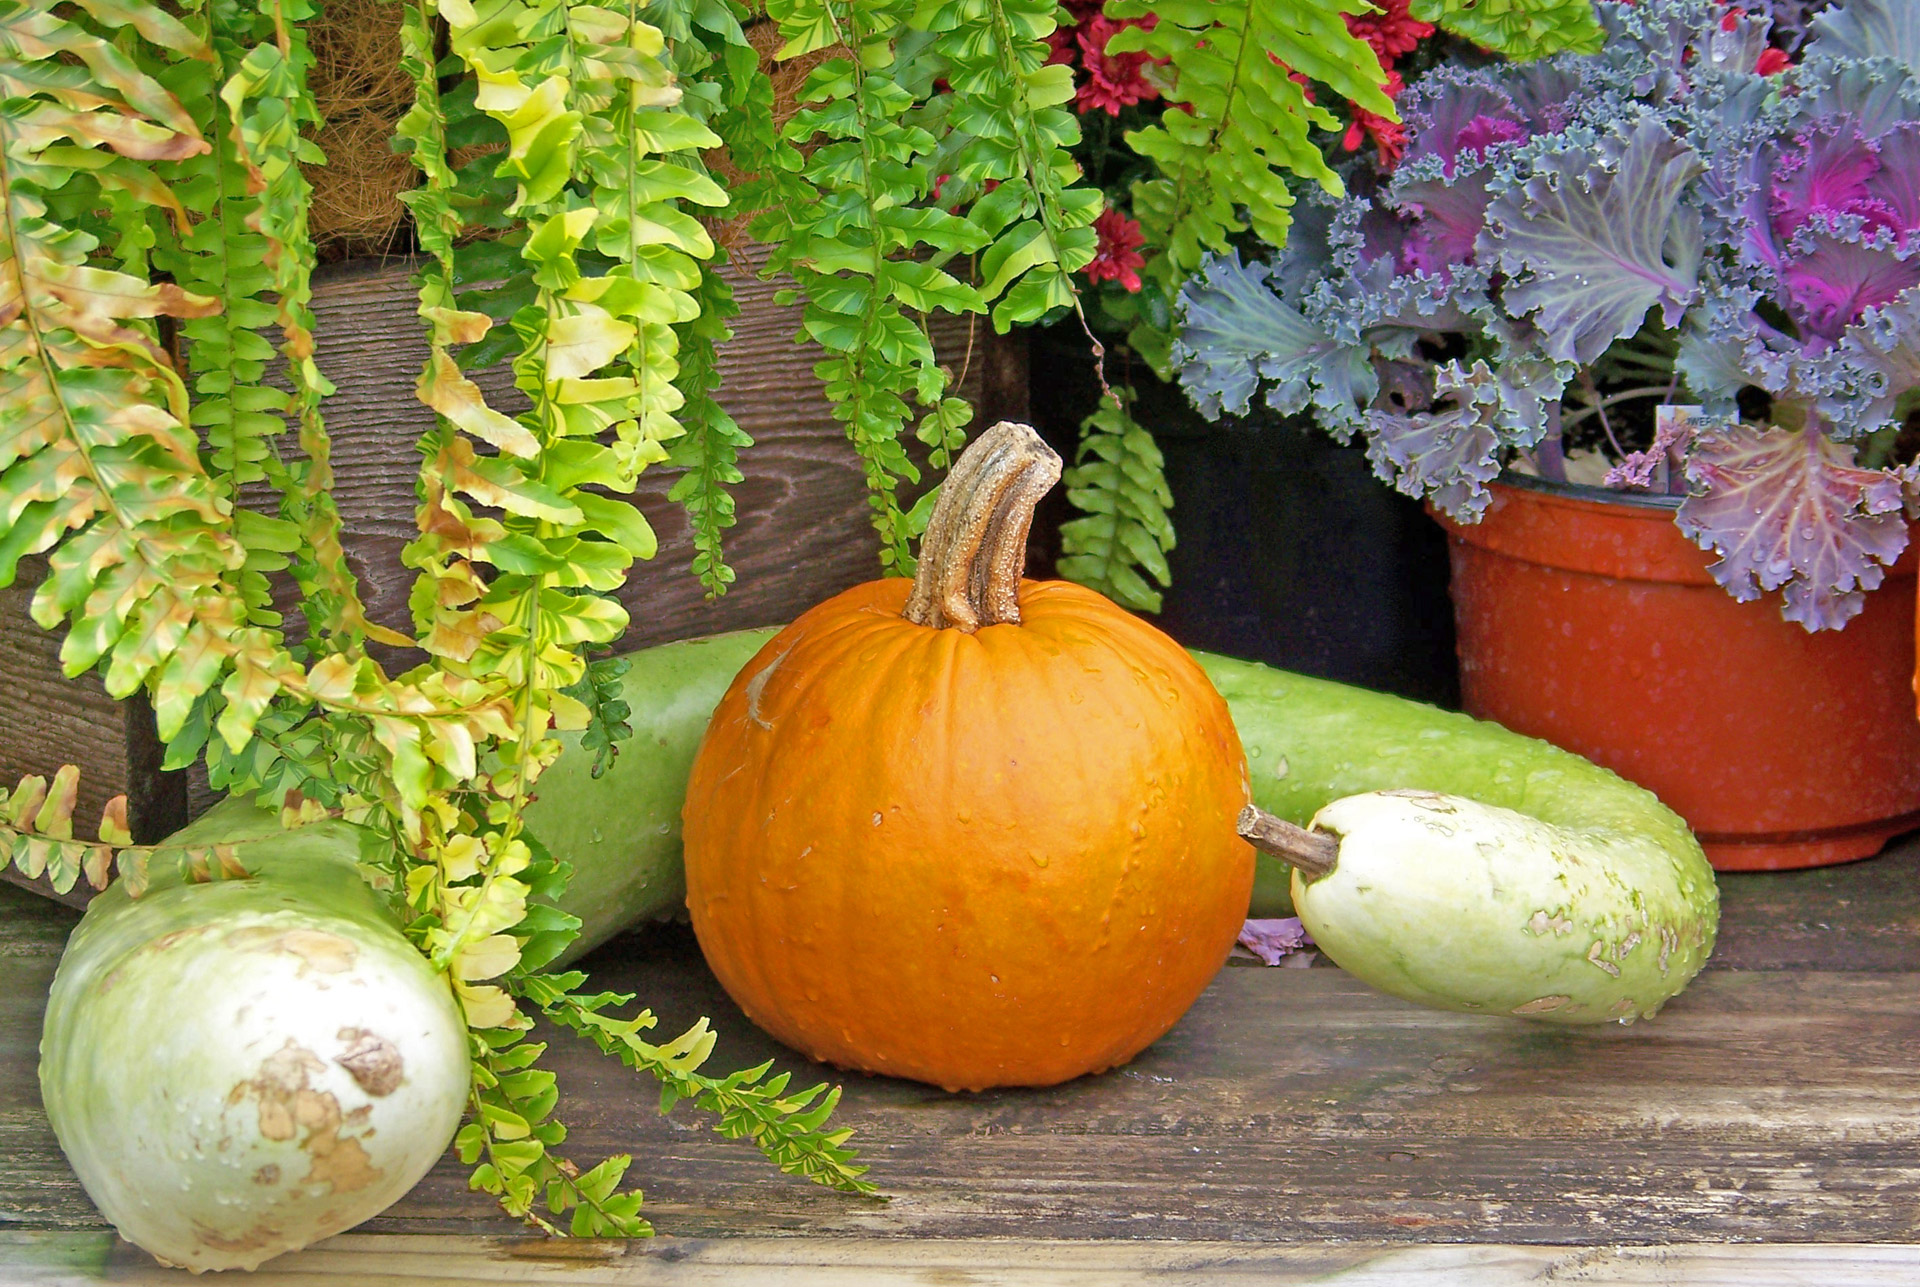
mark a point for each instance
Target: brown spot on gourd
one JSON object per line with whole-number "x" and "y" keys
{"x": 1546, "y": 923}
{"x": 280, "y": 1087}
{"x": 1597, "y": 955}
{"x": 1542, "y": 1005}
{"x": 340, "y": 1163}
{"x": 268, "y": 1174}
{"x": 288, "y": 1104}
{"x": 374, "y": 1062}
{"x": 317, "y": 949}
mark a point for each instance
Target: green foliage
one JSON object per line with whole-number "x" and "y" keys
{"x": 1523, "y": 29}
{"x": 706, "y": 38}
{"x": 1118, "y": 484}
{"x": 1010, "y": 135}
{"x": 709, "y": 452}
{"x": 788, "y": 1128}
{"x": 868, "y": 250}
{"x": 598, "y": 691}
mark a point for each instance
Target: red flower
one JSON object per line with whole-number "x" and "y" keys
{"x": 1063, "y": 39}
{"x": 1772, "y": 62}
{"x": 1389, "y": 136}
{"x": 1114, "y": 81}
{"x": 1118, "y": 258}
{"x": 1391, "y": 31}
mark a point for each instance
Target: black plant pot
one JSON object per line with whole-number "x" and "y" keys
{"x": 1289, "y": 550}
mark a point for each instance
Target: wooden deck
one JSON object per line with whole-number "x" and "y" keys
{"x": 1295, "y": 1127}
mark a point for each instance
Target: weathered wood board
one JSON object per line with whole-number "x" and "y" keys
{"x": 1776, "y": 1101}
{"x": 803, "y": 531}
{"x": 398, "y": 1260}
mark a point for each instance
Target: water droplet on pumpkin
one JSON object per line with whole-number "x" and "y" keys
{"x": 1039, "y": 859}
{"x": 876, "y": 818}
{"x": 1280, "y": 767}
{"x": 993, "y": 978}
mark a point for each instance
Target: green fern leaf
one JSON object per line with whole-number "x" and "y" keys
{"x": 1118, "y": 483}
{"x": 1518, "y": 28}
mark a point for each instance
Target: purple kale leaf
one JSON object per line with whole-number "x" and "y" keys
{"x": 1672, "y": 432}
{"x": 1862, "y": 379}
{"x": 1597, "y": 235}
{"x": 1457, "y": 114}
{"x": 1444, "y": 219}
{"x": 1877, "y": 95}
{"x": 1448, "y": 452}
{"x": 1789, "y": 510}
{"x": 1833, "y": 272}
{"x": 1273, "y": 941}
{"x": 1864, "y": 29}
{"x": 1829, "y": 173}
{"x": 1236, "y": 332}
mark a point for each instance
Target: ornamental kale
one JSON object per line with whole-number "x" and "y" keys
{"x": 1570, "y": 249}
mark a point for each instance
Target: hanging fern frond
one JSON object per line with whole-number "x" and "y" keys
{"x": 1522, "y": 29}
{"x": 1119, "y": 484}
{"x": 737, "y": 104}
{"x": 1006, "y": 106}
{"x": 1236, "y": 125}
{"x": 709, "y": 453}
{"x": 867, "y": 251}
{"x": 269, "y": 107}
{"x": 98, "y": 462}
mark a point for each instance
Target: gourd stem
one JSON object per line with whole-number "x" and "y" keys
{"x": 1313, "y": 853}
{"x": 976, "y": 542}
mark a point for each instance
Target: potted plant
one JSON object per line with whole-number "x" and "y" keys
{"x": 1640, "y": 326}
{"x": 1268, "y": 517}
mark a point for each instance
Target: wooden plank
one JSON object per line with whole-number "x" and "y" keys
{"x": 71, "y": 1260}
{"x": 1289, "y": 1106}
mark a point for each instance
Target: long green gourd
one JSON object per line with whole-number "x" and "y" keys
{"x": 1478, "y": 869}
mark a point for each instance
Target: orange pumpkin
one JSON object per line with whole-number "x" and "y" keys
{"x": 972, "y": 830}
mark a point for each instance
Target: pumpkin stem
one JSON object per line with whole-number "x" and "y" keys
{"x": 976, "y": 542}
{"x": 1314, "y": 852}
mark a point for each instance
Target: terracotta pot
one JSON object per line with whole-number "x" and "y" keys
{"x": 1587, "y": 619}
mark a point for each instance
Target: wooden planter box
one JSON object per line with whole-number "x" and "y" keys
{"x": 803, "y": 532}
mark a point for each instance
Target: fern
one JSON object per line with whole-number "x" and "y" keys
{"x": 867, "y": 252}
{"x": 1117, "y": 482}
{"x": 97, "y": 459}
{"x": 709, "y": 453}
{"x": 1013, "y": 135}
{"x": 1522, "y": 29}
{"x": 703, "y": 35}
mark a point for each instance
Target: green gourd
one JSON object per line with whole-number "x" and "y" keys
{"x": 1477, "y": 869}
